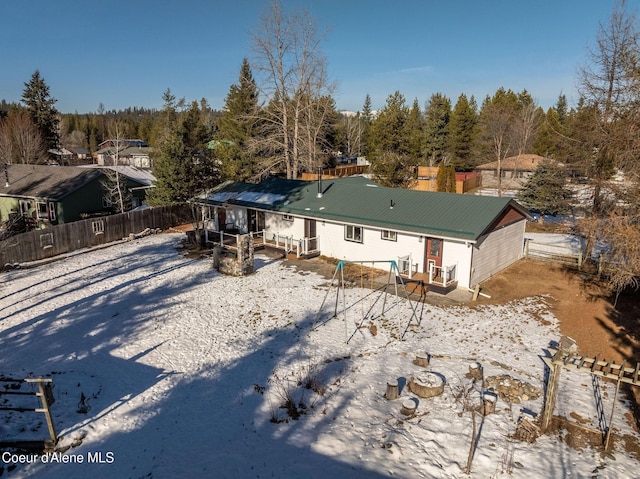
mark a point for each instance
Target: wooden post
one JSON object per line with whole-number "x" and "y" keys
{"x": 475, "y": 371}
{"x": 526, "y": 248}
{"x": 45, "y": 409}
{"x": 408, "y": 407}
{"x": 551, "y": 391}
{"x": 580, "y": 261}
{"x": 488, "y": 403}
{"x": 392, "y": 390}
{"x": 422, "y": 359}
{"x": 613, "y": 408}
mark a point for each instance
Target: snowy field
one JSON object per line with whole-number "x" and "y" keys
{"x": 184, "y": 371}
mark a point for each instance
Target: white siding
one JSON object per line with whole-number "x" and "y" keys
{"x": 275, "y": 224}
{"x": 458, "y": 254}
{"x": 496, "y": 251}
{"x": 372, "y": 248}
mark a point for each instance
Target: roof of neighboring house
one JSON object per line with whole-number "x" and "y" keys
{"x": 359, "y": 201}
{"x": 122, "y": 142}
{"x": 79, "y": 150}
{"x": 126, "y": 151}
{"x": 139, "y": 175}
{"x": 527, "y": 162}
{"x": 45, "y": 182}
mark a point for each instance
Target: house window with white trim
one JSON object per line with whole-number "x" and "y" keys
{"x": 52, "y": 211}
{"x": 287, "y": 217}
{"x": 97, "y": 227}
{"x": 46, "y": 240}
{"x": 389, "y": 235}
{"x": 41, "y": 209}
{"x": 353, "y": 233}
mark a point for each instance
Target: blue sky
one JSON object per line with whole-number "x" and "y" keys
{"x": 127, "y": 53}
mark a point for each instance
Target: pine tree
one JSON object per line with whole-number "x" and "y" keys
{"x": 437, "y": 128}
{"x": 545, "y": 191}
{"x": 414, "y": 131}
{"x": 366, "y": 119}
{"x": 41, "y": 109}
{"x": 388, "y": 132}
{"x": 462, "y": 133}
{"x": 236, "y": 127}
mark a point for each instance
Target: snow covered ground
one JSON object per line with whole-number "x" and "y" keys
{"x": 184, "y": 371}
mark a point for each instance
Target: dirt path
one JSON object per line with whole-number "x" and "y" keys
{"x": 585, "y": 312}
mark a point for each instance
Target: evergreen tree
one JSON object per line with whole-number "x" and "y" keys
{"x": 236, "y": 127}
{"x": 183, "y": 166}
{"x": 462, "y": 133}
{"x": 446, "y": 178}
{"x": 41, "y": 109}
{"x": 366, "y": 120}
{"x": 437, "y": 128}
{"x": 545, "y": 191}
{"x": 414, "y": 131}
{"x": 388, "y": 133}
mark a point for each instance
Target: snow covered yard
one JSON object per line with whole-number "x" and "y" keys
{"x": 185, "y": 369}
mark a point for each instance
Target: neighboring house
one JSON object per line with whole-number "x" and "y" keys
{"x": 139, "y": 181}
{"x": 124, "y": 152}
{"x": 81, "y": 155}
{"x": 60, "y": 156}
{"x": 447, "y": 240}
{"x": 515, "y": 171}
{"x": 47, "y": 195}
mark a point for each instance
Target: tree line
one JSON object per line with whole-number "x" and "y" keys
{"x": 280, "y": 118}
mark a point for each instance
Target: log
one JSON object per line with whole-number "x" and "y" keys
{"x": 426, "y": 385}
{"x": 475, "y": 371}
{"x": 422, "y": 359}
{"x": 392, "y": 390}
{"x": 408, "y": 407}
{"x": 489, "y": 403}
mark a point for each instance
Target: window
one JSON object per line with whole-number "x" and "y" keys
{"x": 434, "y": 247}
{"x": 353, "y": 233}
{"x": 46, "y": 241}
{"x": 389, "y": 235}
{"x": 25, "y": 206}
{"x": 52, "y": 211}
{"x": 97, "y": 227}
{"x": 42, "y": 211}
{"x": 287, "y": 217}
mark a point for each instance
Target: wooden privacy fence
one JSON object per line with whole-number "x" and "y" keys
{"x": 60, "y": 239}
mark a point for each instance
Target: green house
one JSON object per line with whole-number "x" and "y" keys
{"x": 48, "y": 195}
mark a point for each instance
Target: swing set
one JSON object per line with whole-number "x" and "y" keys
{"x": 367, "y": 310}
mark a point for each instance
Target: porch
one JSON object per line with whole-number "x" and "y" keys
{"x": 439, "y": 279}
{"x": 229, "y": 238}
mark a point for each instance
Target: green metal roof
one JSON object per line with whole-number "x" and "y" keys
{"x": 360, "y": 201}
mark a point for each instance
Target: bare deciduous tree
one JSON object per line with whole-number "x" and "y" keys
{"x": 291, "y": 72}
{"x": 21, "y": 140}
{"x": 115, "y": 186}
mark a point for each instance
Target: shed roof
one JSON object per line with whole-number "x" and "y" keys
{"x": 360, "y": 201}
{"x": 45, "y": 182}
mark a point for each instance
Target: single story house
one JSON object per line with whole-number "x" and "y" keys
{"x": 514, "y": 170}
{"x": 445, "y": 239}
{"x": 46, "y": 195}
{"x": 124, "y": 152}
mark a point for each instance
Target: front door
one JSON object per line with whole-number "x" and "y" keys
{"x": 433, "y": 255}
{"x": 222, "y": 219}
{"x": 256, "y": 221}
{"x": 310, "y": 232}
